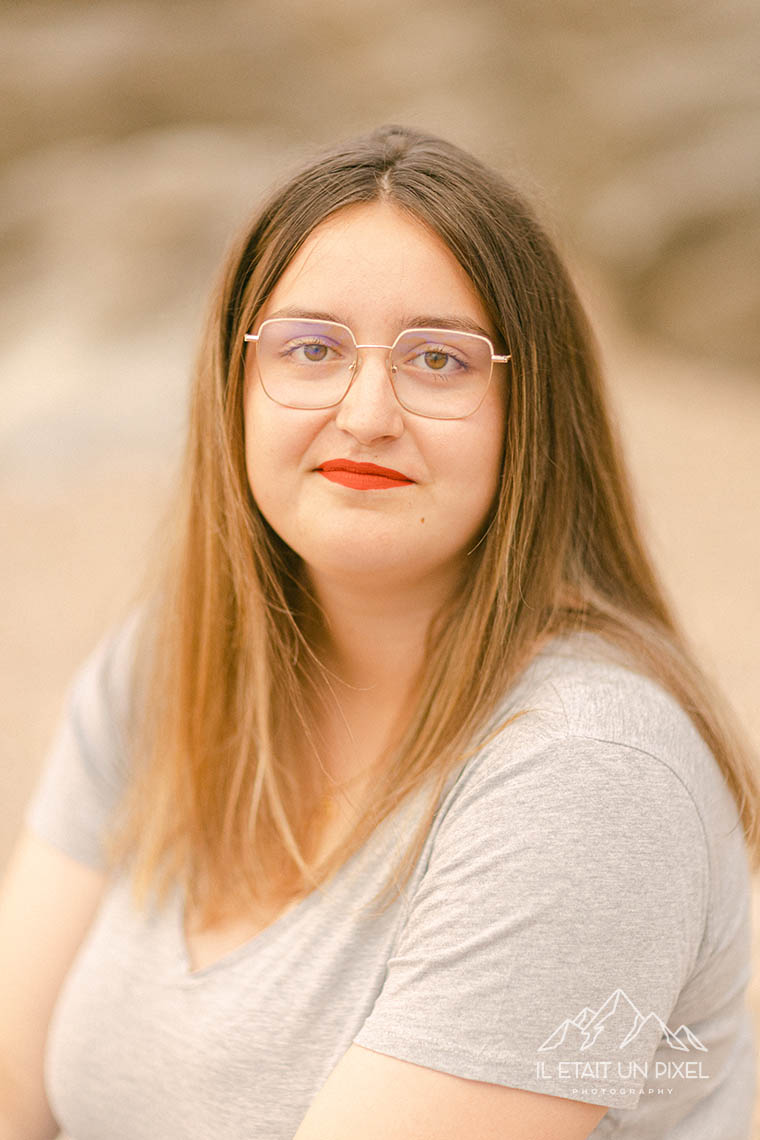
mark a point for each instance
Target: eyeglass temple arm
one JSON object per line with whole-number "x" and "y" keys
{"x": 250, "y": 336}
{"x": 501, "y": 359}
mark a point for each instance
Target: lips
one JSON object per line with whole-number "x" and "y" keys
{"x": 363, "y": 468}
{"x": 363, "y": 476}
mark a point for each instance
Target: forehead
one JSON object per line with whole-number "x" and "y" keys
{"x": 373, "y": 262}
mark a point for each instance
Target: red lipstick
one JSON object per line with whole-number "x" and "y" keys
{"x": 363, "y": 476}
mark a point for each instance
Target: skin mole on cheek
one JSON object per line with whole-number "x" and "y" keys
{"x": 422, "y": 520}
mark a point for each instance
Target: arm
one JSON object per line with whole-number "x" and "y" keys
{"x": 47, "y": 902}
{"x": 379, "y": 1097}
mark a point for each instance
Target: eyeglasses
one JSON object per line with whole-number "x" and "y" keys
{"x": 437, "y": 373}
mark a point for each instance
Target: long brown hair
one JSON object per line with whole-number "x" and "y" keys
{"x": 218, "y": 801}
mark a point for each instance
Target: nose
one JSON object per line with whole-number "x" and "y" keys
{"x": 370, "y": 411}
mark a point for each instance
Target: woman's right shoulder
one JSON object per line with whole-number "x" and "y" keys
{"x": 89, "y": 760}
{"x": 108, "y": 670}
{"x": 101, "y": 688}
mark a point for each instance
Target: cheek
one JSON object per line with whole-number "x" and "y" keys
{"x": 486, "y": 457}
{"x": 266, "y": 447}
{"x": 480, "y": 454}
{"x": 267, "y": 439}
{"x": 466, "y": 475}
{"x": 277, "y": 443}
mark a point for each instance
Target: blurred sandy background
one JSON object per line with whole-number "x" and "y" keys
{"x": 136, "y": 139}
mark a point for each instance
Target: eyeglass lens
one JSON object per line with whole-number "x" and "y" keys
{"x": 434, "y": 372}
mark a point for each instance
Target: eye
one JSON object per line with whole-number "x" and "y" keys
{"x": 315, "y": 352}
{"x": 311, "y": 351}
{"x": 436, "y": 358}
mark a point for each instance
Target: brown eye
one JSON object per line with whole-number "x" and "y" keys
{"x": 315, "y": 352}
{"x": 436, "y": 360}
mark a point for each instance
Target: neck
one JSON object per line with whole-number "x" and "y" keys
{"x": 372, "y": 640}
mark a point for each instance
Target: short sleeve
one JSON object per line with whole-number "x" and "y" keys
{"x": 85, "y": 770}
{"x": 559, "y": 916}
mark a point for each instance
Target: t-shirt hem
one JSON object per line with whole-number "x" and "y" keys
{"x": 506, "y": 1069}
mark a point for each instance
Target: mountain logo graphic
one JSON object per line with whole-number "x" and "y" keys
{"x": 619, "y": 1022}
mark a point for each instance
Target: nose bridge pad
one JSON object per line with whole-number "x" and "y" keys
{"x": 357, "y": 363}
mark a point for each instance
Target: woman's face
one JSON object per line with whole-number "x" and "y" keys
{"x": 375, "y": 269}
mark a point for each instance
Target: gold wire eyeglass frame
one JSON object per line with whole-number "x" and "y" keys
{"x": 495, "y": 359}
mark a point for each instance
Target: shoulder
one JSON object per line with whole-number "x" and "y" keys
{"x": 99, "y": 706}
{"x": 578, "y": 698}
{"x": 588, "y": 762}
{"x": 607, "y": 766}
{"x": 109, "y": 665}
{"x": 88, "y": 763}
{"x": 579, "y": 802}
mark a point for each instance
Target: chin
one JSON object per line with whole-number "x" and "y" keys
{"x": 377, "y": 561}
{"x": 345, "y": 560}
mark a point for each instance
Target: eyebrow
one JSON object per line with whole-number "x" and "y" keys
{"x": 420, "y": 321}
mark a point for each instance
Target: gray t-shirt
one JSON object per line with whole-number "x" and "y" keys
{"x": 577, "y": 924}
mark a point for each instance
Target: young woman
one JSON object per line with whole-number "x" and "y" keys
{"x": 398, "y": 808}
